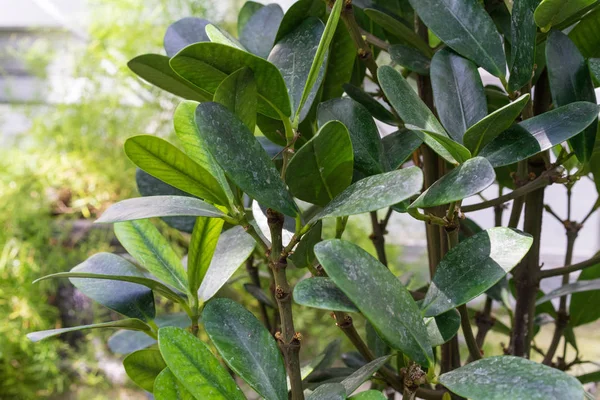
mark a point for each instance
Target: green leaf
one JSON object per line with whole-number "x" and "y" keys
{"x": 246, "y": 12}
{"x": 340, "y": 63}
{"x": 238, "y": 93}
{"x": 201, "y": 249}
{"x": 167, "y": 387}
{"x": 390, "y": 307}
{"x": 399, "y": 145}
{"x": 466, "y": 27}
{"x": 247, "y": 347}
{"x": 233, "y": 248}
{"x": 469, "y": 178}
{"x": 552, "y": 12}
{"x": 539, "y": 133}
{"x": 369, "y": 395}
{"x": 570, "y": 288}
{"x": 297, "y": 13}
{"x": 304, "y": 255}
{"x": 411, "y": 108}
{"x": 377, "y": 346}
{"x": 366, "y": 143}
{"x": 377, "y": 110}
{"x": 328, "y": 391}
{"x": 458, "y": 92}
{"x": 374, "y": 192}
{"x": 145, "y": 243}
{"x": 590, "y": 377}
{"x": 184, "y": 32}
{"x": 242, "y": 157}
{"x": 570, "y": 81}
{"x": 322, "y": 293}
{"x": 443, "y": 327}
{"x": 130, "y": 323}
{"x": 259, "y": 294}
{"x": 292, "y": 55}
{"x": 583, "y": 307}
{"x": 410, "y": 58}
{"x": 207, "y": 64}
{"x": 487, "y": 129}
{"x": 322, "y": 168}
{"x": 474, "y": 266}
{"x": 193, "y": 364}
{"x": 364, "y": 373}
{"x": 258, "y": 33}
{"x": 523, "y": 40}
{"x": 155, "y": 69}
{"x": 143, "y": 366}
{"x": 218, "y": 35}
{"x": 509, "y": 377}
{"x": 158, "y": 206}
{"x": 400, "y": 30}
{"x": 594, "y": 65}
{"x": 586, "y": 34}
{"x": 166, "y": 162}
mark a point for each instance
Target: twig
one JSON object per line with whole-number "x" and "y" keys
{"x": 374, "y": 40}
{"x": 549, "y": 273}
{"x": 378, "y": 239}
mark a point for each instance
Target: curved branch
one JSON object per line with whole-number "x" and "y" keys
{"x": 570, "y": 268}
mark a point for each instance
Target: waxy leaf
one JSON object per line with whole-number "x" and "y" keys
{"x": 193, "y": 364}
{"x": 390, "y": 307}
{"x": 586, "y": 34}
{"x": 364, "y": 135}
{"x": 487, "y": 129}
{"x": 242, "y": 157}
{"x": 233, "y": 248}
{"x": 322, "y": 168}
{"x": 328, "y": 391}
{"x": 155, "y": 69}
{"x": 130, "y": 323}
{"x": 509, "y": 377}
{"x": 570, "y": 81}
{"x": 400, "y": 30}
{"x": 304, "y": 255}
{"x": 184, "y": 32}
{"x": 377, "y": 110}
{"x": 143, "y": 366}
{"x": 158, "y": 206}
{"x": 523, "y": 40}
{"x": 340, "y": 63}
{"x": 443, "y": 327}
{"x": 374, "y": 192}
{"x": 167, "y": 387}
{"x": 322, "y": 293}
{"x": 575, "y": 287}
{"x": 164, "y": 161}
{"x": 145, "y": 243}
{"x": 469, "y": 178}
{"x": 247, "y": 347}
{"x": 297, "y": 13}
{"x": 238, "y": 93}
{"x": 467, "y": 28}
{"x": 257, "y": 34}
{"x": 218, "y": 35}
{"x": 246, "y": 12}
{"x": 539, "y": 133}
{"x": 369, "y": 395}
{"x": 552, "y": 12}
{"x": 474, "y": 266}
{"x": 458, "y": 92}
{"x": 583, "y": 307}
{"x": 594, "y": 64}
{"x": 201, "y": 249}
{"x": 363, "y": 374}
{"x": 410, "y": 58}
{"x": 398, "y": 146}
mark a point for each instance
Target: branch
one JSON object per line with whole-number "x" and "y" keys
{"x": 364, "y": 51}
{"x": 567, "y": 269}
{"x": 374, "y": 40}
{"x": 378, "y": 239}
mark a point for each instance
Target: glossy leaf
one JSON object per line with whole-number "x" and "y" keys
{"x": 410, "y": 58}
{"x": 374, "y": 193}
{"x": 184, "y": 32}
{"x": 469, "y": 178}
{"x": 297, "y": 13}
{"x": 377, "y": 110}
{"x": 398, "y": 146}
{"x": 443, "y": 327}
{"x": 233, "y": 248}
{"x": 143, "y": 366}
{"x": 247, "y": 347}
{"x": 144, "y": 242}
{"x": 570, "y": 288}
{"x": 586, "y": 34}
{"x": 201, "y": 249}
{"x": 364, "y": 135}
{"x": 377, "y": 346}
{"x": 340, "y": 63}
{"x": 363, "y": 374}
{"x": 523, "y": 43}
{"x": 238, "y": 93}
{"x": 167, "y": 387}
{"x": 509, "y": 377}
{"x": 552, "y": 12}
{"x": 304, "y": 255}
{"x": 322, "y": 168}
{"x": 155, "y": 69}
{"x": 130, "y": 323}
{"x": 246, "y": 12}
{"x": 570, "y": 81}
{"x": 356, "y": 272}
{"x": 583, "y": 307}
{"x": 474, "y": 266}
{"x": 403, "y": 32}
{"x": 458, "y": 92}
{"x": 242, "y": 157}
{"x": 369, "y": 395}
{"x": 193, "y": 364}
{"x": 322, "y": 293}
{"x": 328, "y": 391}
{"x": 488, "y": 128}
{"x": 164, "y": 161}
{"x": 218, "y": 35}
{"x": 539, "y": 133}
{"x": 466, "y": 27}
{"x": 258, "y": 33}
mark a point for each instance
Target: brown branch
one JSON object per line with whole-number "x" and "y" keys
{"x": 549, "y": 273}
{"x": 378, "y": 239}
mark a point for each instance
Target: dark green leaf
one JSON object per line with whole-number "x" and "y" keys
{"x": 193, "y": 364}
{"x": 365, "y": 138}
{"x": 539, "y": 133}
{"x": 242, "y": 157}
{"x": 552, "y": 12}
{"x": 458, "y": 92}
{"x": 474, "y": 266}
{"x": 369, "y": 395}
{"x": 322, "y": 293}
{"x": 377, "y": 346}
{"x": 258, "y": 33}
{"x": 570, "y": 288}
{"x": 594, "y": 65}
{"x": 238, "y": 93}
{"x": 272, "y": 129}
{"x": 404, "y": 33}
{"x": 155, "y": 69}
{"x": 523, "y": 39}
{"x": 443, "y": 327}
{"x": 297, "y": 13}
{"x": 131, "y": 323}
{"x": 410, "y": 58}
{"x": 259, "y": 294}
{"x": 304, "y": 254}
{"x": 184, "y": 32}
{"x": 467, "y": 179}
{"x": 246, "y": 12}
{"x": 201, "y": 249}
{"x": 586, "y": 34}
{"x": 583, "y": 308}
{"x": 363, "y": 374}
{"x": 340, "y": 63}
{"x": 466, "y": 27}
{"x": 591, "y": 377}
{"x": 398, "y": 146}
{"x": 356, "y": 272}
{"x": 377, "y": 110}
{"x": 143, "y": 366}
{"x": 247, "y": 347}
{"x": 374, "y": 192}
{"x": 509, "y": 377}
{"x": 322, "y": 168}
{"x": 496, "y": 98}
{"x": 328, "y": 391}
{"x": 167, "y": 387}
{"x": 570, "y": 81}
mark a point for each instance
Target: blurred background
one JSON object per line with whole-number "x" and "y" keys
{"x": 67, "y": 103}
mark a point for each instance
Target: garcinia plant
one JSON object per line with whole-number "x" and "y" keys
{"x": 286, "y": 112}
